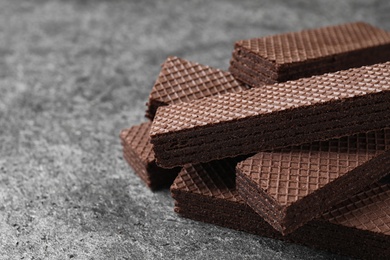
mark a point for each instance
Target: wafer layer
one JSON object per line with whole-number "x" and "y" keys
{"x": 294, "y": 55}
{"x": 284, "y": 114}
{"x": 137, "y": 151}
{"x": 359, "y": 226}
{"x": 182, "y": 81}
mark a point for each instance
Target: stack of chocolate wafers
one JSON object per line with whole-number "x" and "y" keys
{"x": 293, "y": 143}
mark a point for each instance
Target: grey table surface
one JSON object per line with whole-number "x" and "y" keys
{"x": 72, "y": 75}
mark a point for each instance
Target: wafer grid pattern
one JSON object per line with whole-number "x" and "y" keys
{"x": 252, "y": 68}
{"x": 290, "y": 174}
{"x": 257, "y": 81}
{"x": 368, "y": 210}
{"x": 137, "y": 138}
{"x": 273, "y": 98}
{"x": 240, "y": 70}
{"x": 316, "y": 43}
{"x": 215, "y": 179}
{"x": 333, "y": 237}
{"x": 137, "y": 151}
{"x": 138, "y": 166}
{"x": 183, "y": 81}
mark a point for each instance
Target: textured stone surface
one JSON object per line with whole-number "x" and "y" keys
{"x": 72, "y": 75}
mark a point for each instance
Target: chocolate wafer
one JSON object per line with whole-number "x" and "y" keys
{"x": 294, "y": 185}
{"x": 179, "y": 81}
{"x": 273, "y": 116}
{"x": 289, "y": 56}
{"x": 358, "y": 227}
{"x": 182, "y": 81}
{"x": 137, "y": 151}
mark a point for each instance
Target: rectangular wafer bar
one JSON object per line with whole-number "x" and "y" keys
{"x": 273, "y": 116}
{"x": 358, "y": 227}
{"x": 291, "y": 186}
{"x": 137, "y": 151}
{"x": 181, "y": 81}
{"x": 289, "y": 56}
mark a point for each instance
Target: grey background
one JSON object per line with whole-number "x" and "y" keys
{"x": 72, "y": 75}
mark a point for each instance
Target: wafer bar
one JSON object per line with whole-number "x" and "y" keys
{"x": 358, "y": 227}
{"x": 294, "y": 185}
{"x": 179, "y": 81}
{"x": 273, "y": 116}
{"x": 289, "y": 56}
{"x": 182, "y": 81}
{"x": 137, "y": 151}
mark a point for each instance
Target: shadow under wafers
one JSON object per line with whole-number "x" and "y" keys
{"x": 289, "y": 56}
{"x": 137, "y": 151}
{"x": 358, "y": 226}
{"x": 291, "y": 186}
{"x": 182, "y": 81}
{"x": 273, "y": 116}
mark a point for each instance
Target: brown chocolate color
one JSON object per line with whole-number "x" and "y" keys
{"x": 137, "y": 151}
{"x": 273, "y": 116}
{"x": 292, "y": 186}
{"x": 358, "y": 227}
{"x": 182, "y": 81}
{"x": 289, "y": 56}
